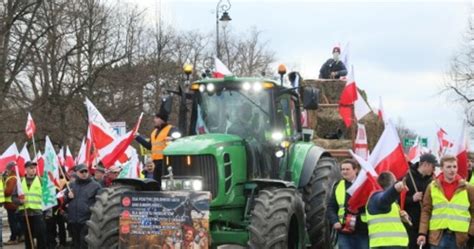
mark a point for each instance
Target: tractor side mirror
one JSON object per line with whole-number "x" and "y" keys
{"x": 310, "y": 98}
{"x": 166, "y": 104}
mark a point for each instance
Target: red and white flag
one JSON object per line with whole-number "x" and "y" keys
{"x": 81, "y": 155}
{"x": 388, "y": 153}
{"x": 445, "y": 143}
{"x": 361, "y": 148}
{"x": 30, "y": 128}
{"x": 68, "y": 160}
{"x": 380, "y": 111}
{"x": 364, "y": 184}
{"x": 100, "y": 135}
{"x": 23, "y": 157}
{"x": 346, "y": 101}
{"x": 221, "y": 69}
{"x": 461, "y": 151}
{"x": 61, "y": 156}
{"x": 117, "y": 148}
{"x": 10, "y": 155}
{"x": 39, "y": 159}
{"x": 19, "y": 187}
{"x": 415, "y": 151}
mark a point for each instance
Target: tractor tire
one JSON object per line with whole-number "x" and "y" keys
{"x": 277, "y": 220}
{"x": 104, "y": 222}
{"x": 316, "y": 196}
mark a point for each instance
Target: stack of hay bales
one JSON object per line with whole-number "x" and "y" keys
{"x": 326, "y": 120}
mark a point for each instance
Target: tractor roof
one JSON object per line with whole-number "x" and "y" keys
{"x": 235, "y": 79}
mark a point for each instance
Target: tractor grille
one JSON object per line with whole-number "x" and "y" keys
{"x": 202, "y": 165}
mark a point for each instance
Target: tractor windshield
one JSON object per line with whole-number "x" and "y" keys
{"x": 237, "y": 112}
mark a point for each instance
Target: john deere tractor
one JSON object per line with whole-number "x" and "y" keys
{"x": 244, "y": 145}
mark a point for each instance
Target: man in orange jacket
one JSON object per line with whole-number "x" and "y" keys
{"x": 159, "y": 138}
{"x": 14, "y": 221}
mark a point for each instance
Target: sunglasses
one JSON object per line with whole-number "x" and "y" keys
{"x": 83, "y": 171}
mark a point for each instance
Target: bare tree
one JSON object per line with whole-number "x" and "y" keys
{"x": 460, "y": 85}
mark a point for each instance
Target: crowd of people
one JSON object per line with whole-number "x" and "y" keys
{"x": 436, "y": 210}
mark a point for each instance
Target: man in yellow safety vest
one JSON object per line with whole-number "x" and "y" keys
{"x": 448, "y": 209}
{"x": 30, "y": 206}
{"x": 351, "y": 227}
{"x": 386, "y": 229}
{"x": 159, "y": 138}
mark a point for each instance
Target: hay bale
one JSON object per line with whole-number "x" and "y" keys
{"x": 330, "y": 89}
{"x": 333, "y": 144}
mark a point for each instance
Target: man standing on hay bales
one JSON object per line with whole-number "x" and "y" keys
{"x": 333, "y": 68}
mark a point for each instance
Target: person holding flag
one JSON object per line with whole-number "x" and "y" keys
{"x": 448, "y": 209}
{"x": 28, "y": 196}
{"x": 384, "y": 218}
{"x": 351, "y": 227}
{"x": 159, "y": 138}
{"x": 417, "y": 179}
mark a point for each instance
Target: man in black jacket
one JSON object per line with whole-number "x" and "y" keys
{"x": 79, "y": 201}
{"x": 417, "y": 180}
{"x": 333, "y": 68}
{"x": 353, "y": 236}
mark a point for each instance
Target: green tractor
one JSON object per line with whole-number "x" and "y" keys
{"x": 270, "y": 187}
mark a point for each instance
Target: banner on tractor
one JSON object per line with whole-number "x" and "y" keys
{"x": 164, "y": 220}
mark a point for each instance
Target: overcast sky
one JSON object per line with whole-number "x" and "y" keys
{"x": 400, "y": 49}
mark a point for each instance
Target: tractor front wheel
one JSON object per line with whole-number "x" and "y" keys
{"x": 277, "y": 220}
{"x": 104, "y": 222}
{"x": 316, "y": 196}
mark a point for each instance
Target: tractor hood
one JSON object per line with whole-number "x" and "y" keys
{"x": 201, "y": 144}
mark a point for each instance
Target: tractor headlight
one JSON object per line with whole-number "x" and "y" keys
{"x": 277, "y": 136}
{"x": 202, "y": 88}
{"x": 257, "y": 87}
{"x": 197, "y": 185}
{"x": 176, "y": 135}
{"x": 279, "y": 154}
{"x": 210, "y": 87}
{"x": 246, "y": 86}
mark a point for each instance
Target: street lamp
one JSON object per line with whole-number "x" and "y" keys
{"x": 222, "y": 7}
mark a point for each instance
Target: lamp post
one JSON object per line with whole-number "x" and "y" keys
{"x": 222, "y": 7}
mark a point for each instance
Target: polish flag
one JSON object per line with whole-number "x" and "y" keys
{"x": 81, "y": 155}
{"x": 380, "y": 111}
{"x": 19, "y": 187}
{"x": 221, "y": 69}
{"x": 100, "y": 135}
{"x": 364, "y": 184}
{"x": 23, "y": 157}
{"x": 361, "y": 147}
{"x": 9, "y": 155}
{"x": 388, "y": 153}
{"x": 30, "y": 128}
{"x": 68, "y": 160}
{"x": 117, "y": 148}
{"x": 415, "y": 151}
{"x": 39, "y": 159}
{"x": 461, "y": 151}
{"x": 445, "y": 143}
{"x": 61, "y": 156}
{"x": 348, "y": 97}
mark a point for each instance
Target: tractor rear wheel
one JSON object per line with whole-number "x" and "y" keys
{"x": 104, "y": 222}
{"x": 277, "y": 220}
{"x": 316, "y": 196}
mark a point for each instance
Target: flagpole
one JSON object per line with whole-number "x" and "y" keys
{"x": 34, "y": 145}
{"x": 32, "y": 242}
{"x": 64, "y": 175}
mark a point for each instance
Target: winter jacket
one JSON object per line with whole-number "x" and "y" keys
{"x": 435, "y": 236}
{"x": 421, "y": 182}
{"x": 78, "y": 208}
{"x": 332, "y": 66}
{"x": 381, "y": 202}
{"x": 333, "y": 207}
{"x": 10, "y": 186}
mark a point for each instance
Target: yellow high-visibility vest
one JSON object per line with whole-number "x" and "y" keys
{"x": 158, "y": 142}
{"x": 387, "y": 229}
{"x": 33, "y": 195}
{"x": 453, "y": 214}
{"x": 341, "y": 200}
{"x": 2, "y": 191}
{"x": 471, "y": 181}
